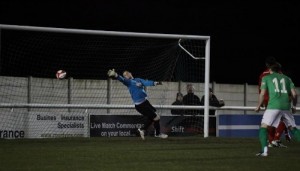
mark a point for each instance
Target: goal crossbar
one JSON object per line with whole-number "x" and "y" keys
{"x": 101, "y": 32}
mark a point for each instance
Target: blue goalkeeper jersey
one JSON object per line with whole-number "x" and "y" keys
{"x": 136, "y": 88}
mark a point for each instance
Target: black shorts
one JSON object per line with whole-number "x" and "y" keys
{"x": 146, "y": 109}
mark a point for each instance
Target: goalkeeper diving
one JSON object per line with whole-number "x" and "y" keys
{"x": 136, "y": 87}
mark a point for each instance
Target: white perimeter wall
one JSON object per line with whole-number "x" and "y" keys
{"x": 75, "y": 91}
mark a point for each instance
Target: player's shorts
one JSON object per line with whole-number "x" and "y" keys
{"x": 146, "y": 109}
{"x": 272, "y": 117}
{"x": 288, "y": 119}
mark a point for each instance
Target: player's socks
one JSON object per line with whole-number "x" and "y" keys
{"x": 286, "y": 130}
{"x": 296, "y": 134}
{"x": 157, "y": 127}
{"x": 263, "y": 138}
{"x": 279, "y": 130}
{"x": 271, "y": 134}
{"x": 288, "y": 137}
{"x": 146, "y": 125}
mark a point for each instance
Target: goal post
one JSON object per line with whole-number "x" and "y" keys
{"x": 171, "y": 51}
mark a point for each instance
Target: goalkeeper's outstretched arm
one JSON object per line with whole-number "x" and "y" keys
{"x": 158, "y": 83}
{"x": 114, "y": 74}
{"x": 128, "y": 76}
{"x": 150, "y": 82}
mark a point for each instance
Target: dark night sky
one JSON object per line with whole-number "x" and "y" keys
{"x": 242, "y": 34}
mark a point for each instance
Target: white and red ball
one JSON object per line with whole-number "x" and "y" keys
{"x": 61, "y": 74}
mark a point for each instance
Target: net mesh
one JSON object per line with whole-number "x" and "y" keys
{"x": 30, "y": 59}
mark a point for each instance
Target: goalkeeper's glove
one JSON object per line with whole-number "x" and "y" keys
{"x": 112, "y": 73}
{"x": 157, "y": 83}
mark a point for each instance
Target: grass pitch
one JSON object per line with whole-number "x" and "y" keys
{"x": 134, "y": 154}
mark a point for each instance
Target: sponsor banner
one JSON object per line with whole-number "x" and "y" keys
{"x": 241, "y": 125}
{"x": 56, "y": 125}
{"x": 126, "y": 126}
{"x": 13, "y": 124}
{"x": 16, "y": 124}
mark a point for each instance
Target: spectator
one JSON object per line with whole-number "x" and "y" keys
{"x": 213, "y": 101}
{"x": 179, "y": 101}
{"x": 191, "y": 99}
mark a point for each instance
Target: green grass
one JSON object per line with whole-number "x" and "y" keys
{"x": 172, "y": 154}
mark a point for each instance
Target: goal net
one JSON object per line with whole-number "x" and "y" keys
{"x": 35, "y": 104}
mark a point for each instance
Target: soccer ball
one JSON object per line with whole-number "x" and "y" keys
{"x": 61, "y": 74}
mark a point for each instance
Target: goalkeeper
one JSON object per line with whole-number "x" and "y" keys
{"x": 139, "y": 97}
